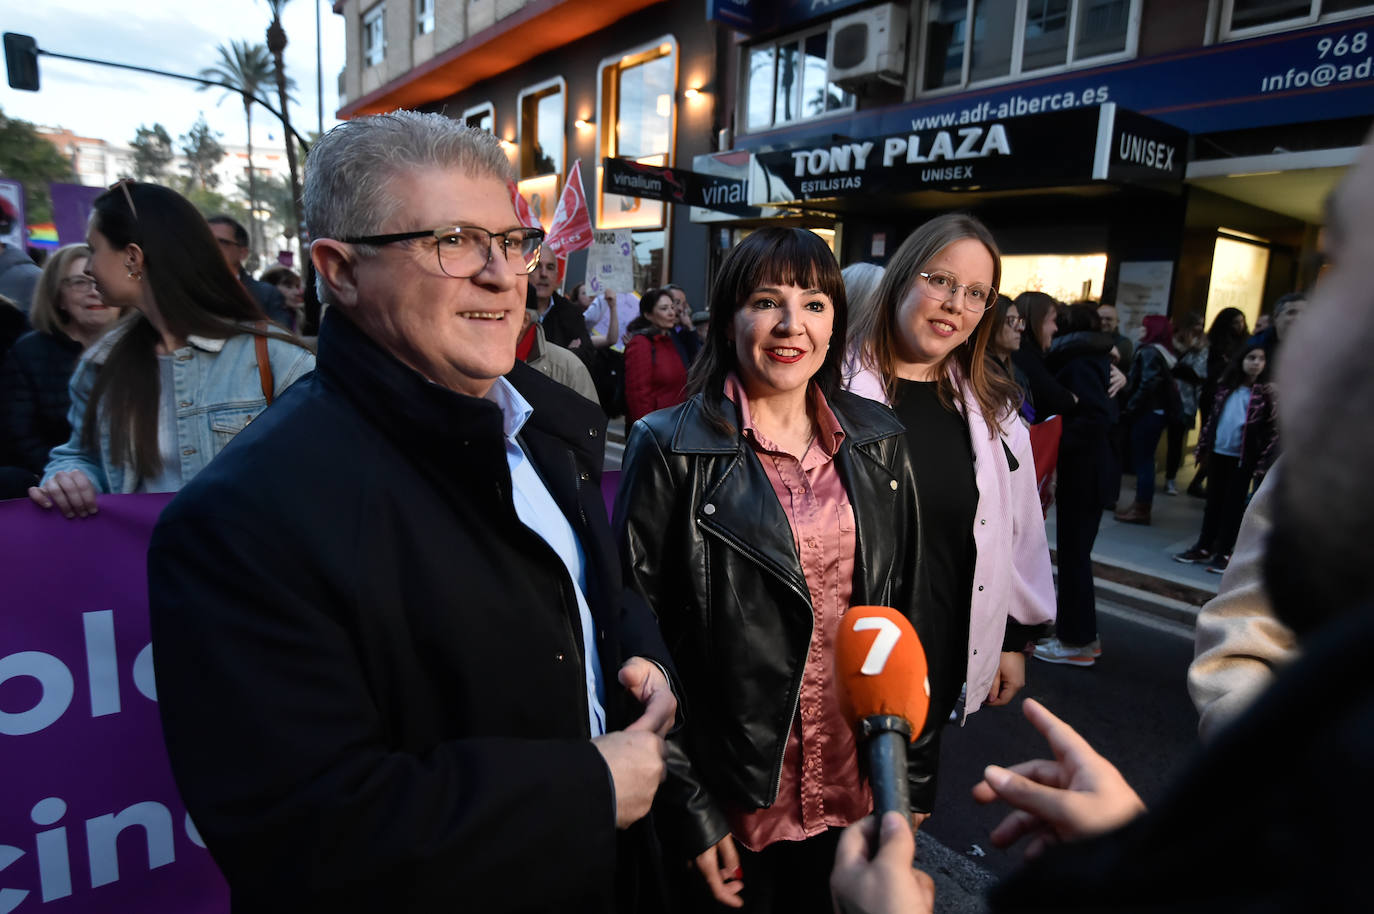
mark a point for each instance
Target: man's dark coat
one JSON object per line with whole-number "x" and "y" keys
{"x": 369, "y": 671}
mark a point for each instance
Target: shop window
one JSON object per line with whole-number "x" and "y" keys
{"x": 1242, "y": 18}
{"x": 968, "y": 42}
{"x": 1239, "y": 268}
{"x": 786, "y": 82}
{"x": 482, "y": 116}
{"x": 424, "y": 17}
{"x": 1067, "y": 277}
{"x": 543, "y": 124}
{"x": 374, "y": 36}
{"x": 636, "y": 119}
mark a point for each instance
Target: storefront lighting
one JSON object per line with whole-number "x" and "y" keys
{"x": 584, "y": 123}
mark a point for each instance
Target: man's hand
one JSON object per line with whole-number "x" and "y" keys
{"x": 1115, "y": 381}
{"x": 1077, "y": 795}
{"x": 1011, "y": 676}
{"x": 719, "y": 866}
{"x": 881, "y": 883}
{"x": 70, "y": 491}
{"x": 646, "y": 682}
{"x": 635, "y": 754}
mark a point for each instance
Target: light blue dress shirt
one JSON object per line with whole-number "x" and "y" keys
{"x": 538, "y": 511}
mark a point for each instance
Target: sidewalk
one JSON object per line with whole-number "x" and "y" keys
{"x": 1140, "y": 559}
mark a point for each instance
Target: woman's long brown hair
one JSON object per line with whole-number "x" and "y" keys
{"x": 196, "y": 294}
{"x": 877, "y": 333}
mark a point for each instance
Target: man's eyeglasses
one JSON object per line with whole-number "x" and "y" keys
{"x": 1016, "y": 323}
{"x": 942, "y": 286}
{"x": 465, "y": 250}
{"x": 80, "y": 283}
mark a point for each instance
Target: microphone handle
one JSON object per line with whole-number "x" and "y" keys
{"x": 887, "y": 737}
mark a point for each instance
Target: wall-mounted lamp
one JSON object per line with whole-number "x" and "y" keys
{"x": 696, "y": 91}
{"x": 584, "y": 123}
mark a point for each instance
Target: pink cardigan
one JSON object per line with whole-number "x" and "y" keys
{"x": 1011, "y": 575}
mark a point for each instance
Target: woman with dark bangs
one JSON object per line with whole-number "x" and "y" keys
{"x": 751, "y": 518}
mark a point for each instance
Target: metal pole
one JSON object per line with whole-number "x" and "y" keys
{"x": 319, "y": 69}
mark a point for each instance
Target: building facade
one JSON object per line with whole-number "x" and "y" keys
{"x": 1170, "y": 155}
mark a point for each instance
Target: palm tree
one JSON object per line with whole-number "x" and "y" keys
{"x": 276, "y": 44}
{"x": 246, "y": 67}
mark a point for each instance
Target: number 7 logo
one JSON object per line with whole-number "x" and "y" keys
{"x": 888, "y": 636}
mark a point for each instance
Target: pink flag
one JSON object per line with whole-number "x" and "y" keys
{"x": 522, "y": 208}
{"x": 571, "y": 229}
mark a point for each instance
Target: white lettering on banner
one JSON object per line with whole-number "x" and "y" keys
{"x": 826, "y": 161}
{"x": 1150, "y": 153}
{"x": 724, "y": 193}
{"x": 845, "y": 182}
{"x": 1326, "y": 73}
{"x": 58, "y": 687}
{"x": 994, "y": 140}
{"x": 102, "y": 847}
{"x": 954, "y": 173}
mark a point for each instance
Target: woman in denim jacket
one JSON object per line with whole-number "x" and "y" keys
{"x": 168, "y": 388}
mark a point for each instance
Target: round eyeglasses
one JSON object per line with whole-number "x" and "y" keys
{"x": 465, "y": 250}
{"x": 942, "y": 286}
{"x": 80, "y": 283}
{"x": 1015, "y": 323}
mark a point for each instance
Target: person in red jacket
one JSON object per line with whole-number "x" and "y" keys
{"x": 655, "y": 359}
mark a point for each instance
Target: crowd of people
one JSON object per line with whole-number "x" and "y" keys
{"x": 464, "y": 672}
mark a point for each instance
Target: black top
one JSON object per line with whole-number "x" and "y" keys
{"x": 34, "y": 399}
{"x": 942, "y": 455}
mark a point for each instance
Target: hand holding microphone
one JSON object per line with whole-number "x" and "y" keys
{"x": 884, "y": 687}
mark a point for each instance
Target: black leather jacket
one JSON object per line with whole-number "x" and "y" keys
{"x": 706, "y": 542}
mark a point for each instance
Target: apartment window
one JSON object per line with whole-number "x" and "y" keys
{"x": 482, "y": 116}
{"x": 637, "y": 119}
{"x": 1241, "y": 18}
{"x": 786, "y": 82}
{"x": 374, "y": 35}
{"x": 967, "y": 42}
{"x": 543, "y": 125}
{"x": 424, "y": 17}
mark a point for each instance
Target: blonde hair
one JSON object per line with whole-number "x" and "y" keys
{"x": 46, "y": 314}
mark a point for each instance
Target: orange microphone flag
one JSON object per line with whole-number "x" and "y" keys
{"x": 881, "y": 667}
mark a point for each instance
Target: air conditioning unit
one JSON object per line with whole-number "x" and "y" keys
{"x": 868, "y": 46}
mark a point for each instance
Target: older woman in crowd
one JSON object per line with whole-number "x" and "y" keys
{"x": 68, "y": 315}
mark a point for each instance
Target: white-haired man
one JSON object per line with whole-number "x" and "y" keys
{"x": 388, "y": 679}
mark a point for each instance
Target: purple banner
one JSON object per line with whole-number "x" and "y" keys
{"x": 71, "y": 207}
{"x": 90, "y": 819}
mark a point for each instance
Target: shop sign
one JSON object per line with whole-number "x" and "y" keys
{"x": 1139, "y": 150}
{"x": 675, "y": 185}
{"x": 1050, "y": 149}
{"x": 1321, "y": 73}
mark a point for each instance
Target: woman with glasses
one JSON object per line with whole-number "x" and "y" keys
{"x": 169, "y": 386}
{"x": 752, "y": 517}
{"x": 68, "y": 315}
{"x": 924, "y": 350}
{"x": 1006, "y": 339}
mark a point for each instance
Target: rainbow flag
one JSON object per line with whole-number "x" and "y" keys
{"x": 43, "y": 235}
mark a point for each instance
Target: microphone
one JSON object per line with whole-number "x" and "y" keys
{"x": 885, "y": 690}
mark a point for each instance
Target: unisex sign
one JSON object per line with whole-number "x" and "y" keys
{"x": 674, "y": 185}
{"x": 90, "y": 819}
{"x": 1054, "y": 149}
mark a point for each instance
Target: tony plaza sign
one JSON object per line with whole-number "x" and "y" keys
{"x": 1058, "y": 148}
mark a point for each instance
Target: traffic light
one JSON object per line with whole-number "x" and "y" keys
{"x": 21, "y": 61}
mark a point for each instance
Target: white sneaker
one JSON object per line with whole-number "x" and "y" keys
{"x": 1170, "y": 487}
{"x": 1052, "y": 650}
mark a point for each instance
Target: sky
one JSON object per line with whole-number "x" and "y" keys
{"x": 180, "y": 36}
